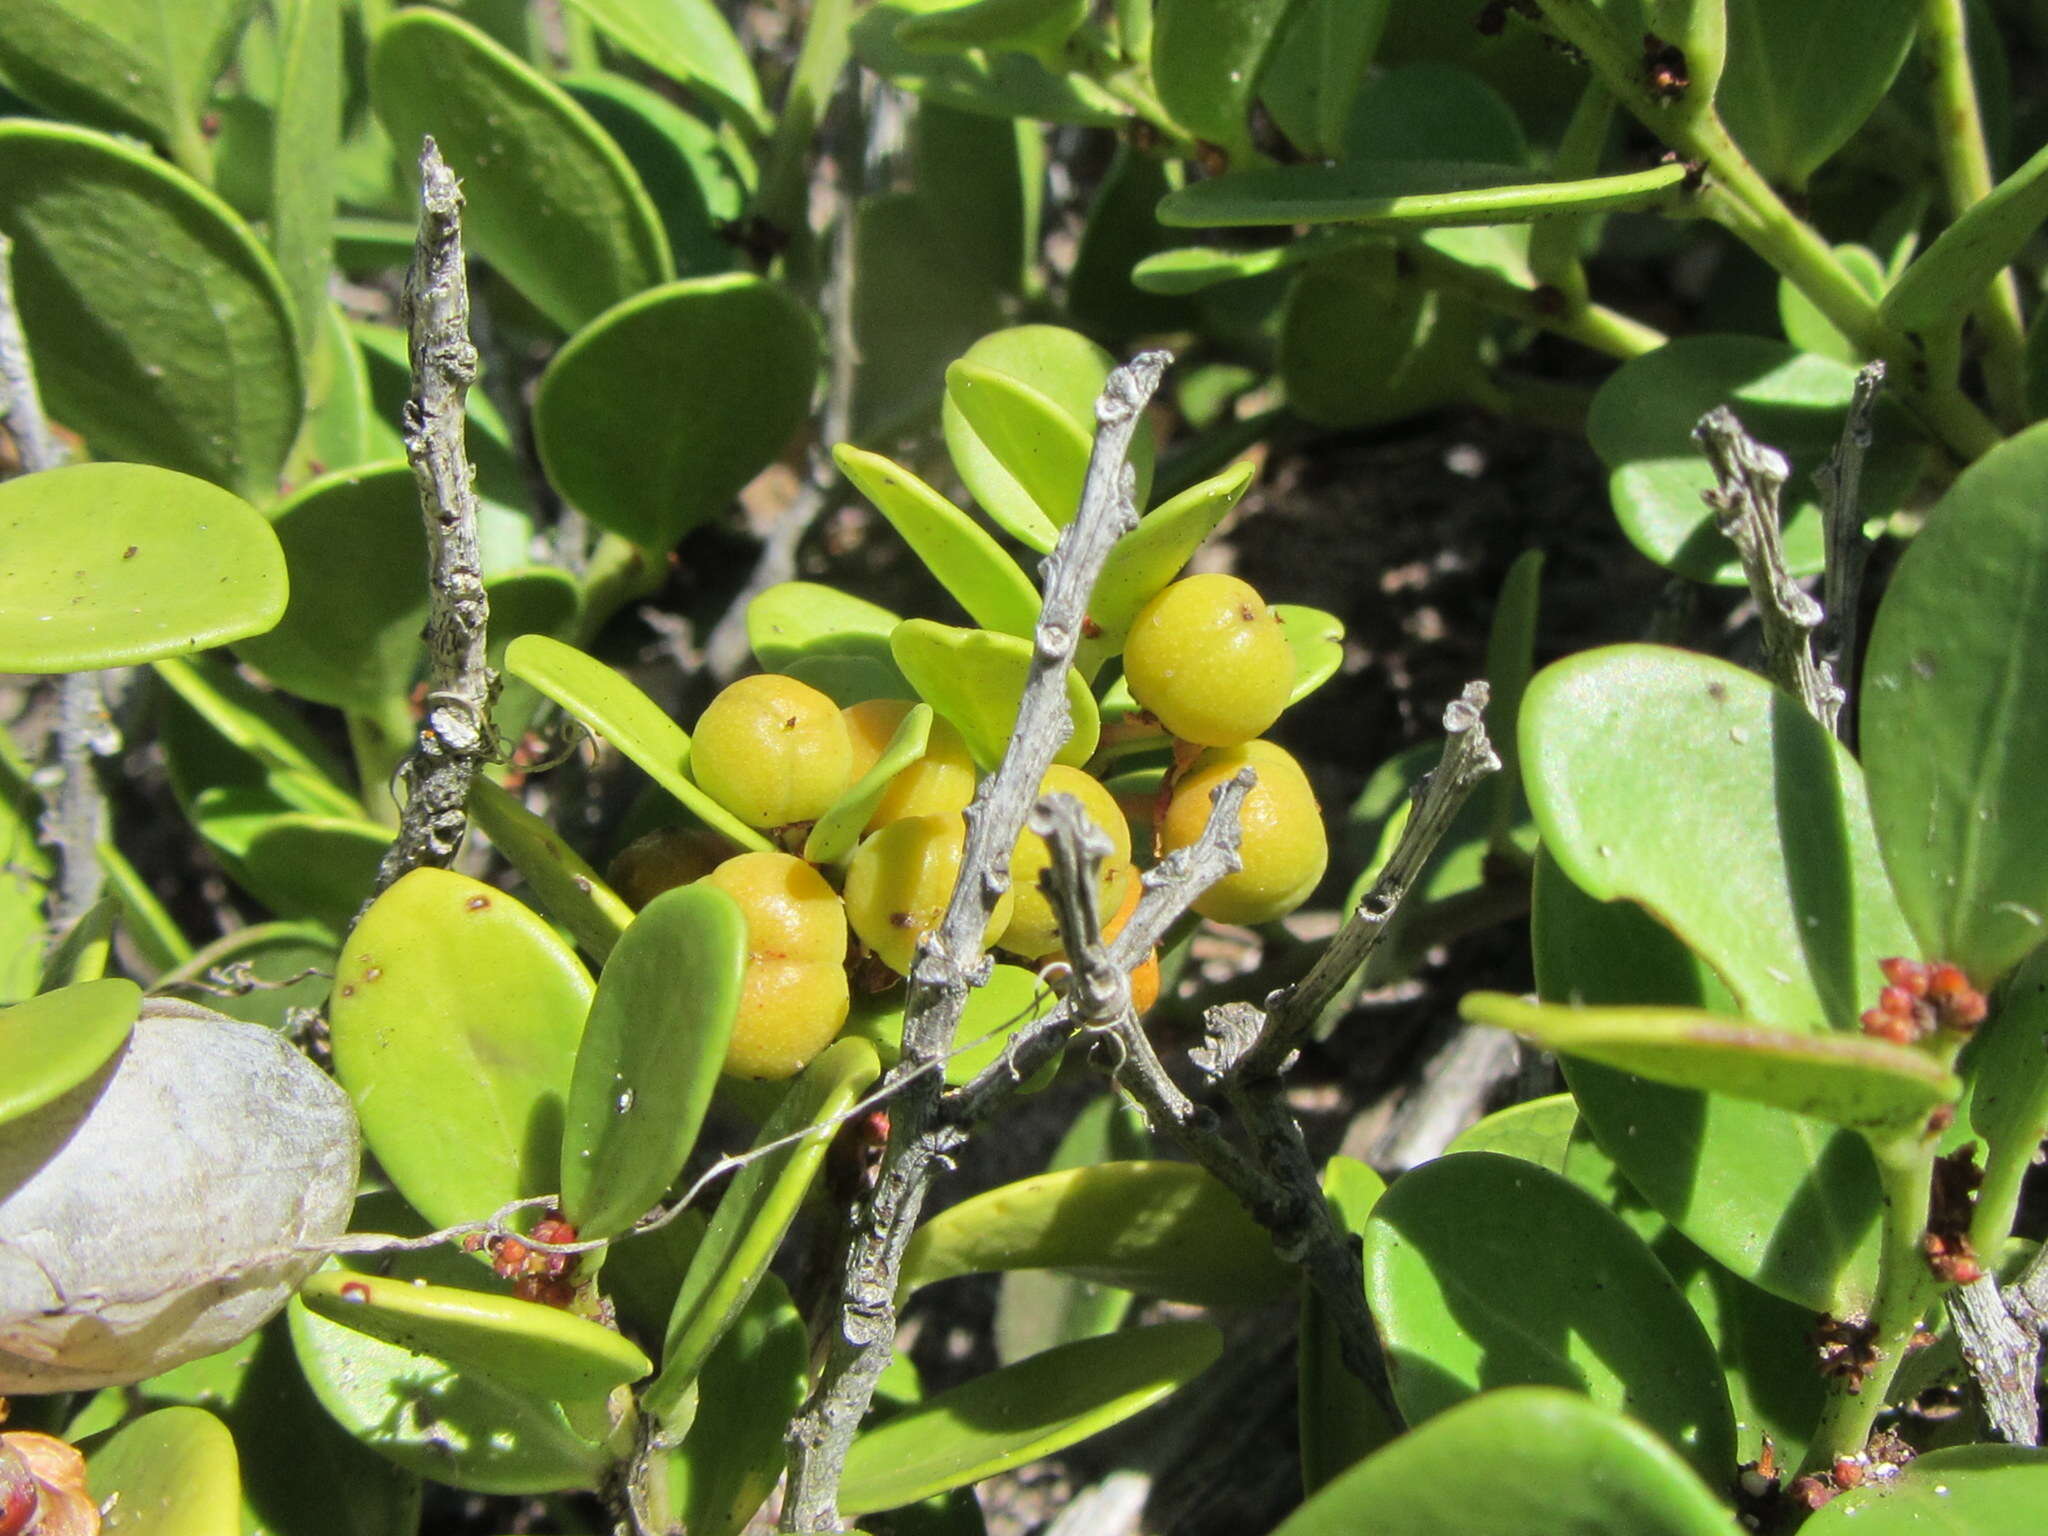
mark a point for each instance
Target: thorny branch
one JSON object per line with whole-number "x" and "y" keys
{"x": 951, "y": 961}
{"x": 1745, "y": 505}
{"x": 455, "y": 735}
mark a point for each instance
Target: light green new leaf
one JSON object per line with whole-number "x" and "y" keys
{"x": 1525, "y": 1461}
{"x": 1317, "y": 640}
{"x": 689, "y": 41}
{"x": 833, "y": 836}
{"x": 108, "y": 565}
{"x": 566, "y": 886}
{"x": 615, "y": 710}
{"x": 968, "y": 563}
{"x": 1037, "y": 27}
{"x": 1802, "y": 76}
{"x": 1960, "y": 1490}
{"x": 1948, "y": 278}
{"x": 550, "y": 200}
{"x": 52, "y": 1043}
{"x": 1164, "y": 1229}
{"x": 1537, "y": 1131}
{"x": 1485, "y": 1272}
{"x": 1020, "y": 1413}
{"x": 975, "y": 678}
{"x": 794, "y": 618}
{"x": 651, "y": 1052}
{"x": 1032, "y": 441}
{"x": 1868, "y": 1085}
{"x": 171, "y": 1473}
{"x": 1414, "y": 193}
{"x": 520, "y": 1345}
{"x": 646, "y": 424}
{"x": 1957, "y": 750}
{"x": 455, "y": 1019}
{"x": 160, "y": 328}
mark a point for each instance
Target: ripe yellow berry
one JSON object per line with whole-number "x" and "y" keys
{"x": 1284, "y": 846}
{"x": 899, "y": 882}
{"x": 1210, "y": 660}
{"x": 772, "y": 751}
{"x": 941, "y": 783}
{"x": 793, "y": 997}
{"x": 1033, "y": 931}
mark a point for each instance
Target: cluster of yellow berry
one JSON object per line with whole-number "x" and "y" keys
{"x": 1206, "y": 660}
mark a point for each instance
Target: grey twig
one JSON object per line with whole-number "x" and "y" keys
{"x": 2004, "y": 1356}
{"x": 1745, "y": 505}
{"x": 21, "y": 405}
{"x": 951, "y": 961}
{"x": 1841, "y": 496}
{"x": 1455, "y": 1086}
{"x": 455, "y": 735}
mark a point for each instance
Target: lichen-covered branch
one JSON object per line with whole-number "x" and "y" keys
{"x": 455, "y": 734}
{"x": 1841, "y": 491}
{"x": 952, "y": 961}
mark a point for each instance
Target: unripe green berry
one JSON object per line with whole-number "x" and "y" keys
{"x": 1283, "y": 844}
{"x": 793, "y": 995}
{"x": 1034, "y": 931}
{"x": 663, "y": 859}
{"x": 772, "y": 751}
{"x": 1210, "y": 660}
{"x": 899, "y": 882}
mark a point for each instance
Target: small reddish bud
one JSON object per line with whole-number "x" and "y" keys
{"x": 1909, "y": 974}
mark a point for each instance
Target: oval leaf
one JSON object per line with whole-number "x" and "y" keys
{"x": 207, "y": 376}
{"x": 51, "y": 1044}
{"x": 832, "y": 839}
{"x": 689, "y": 41}
{"x": 1986, "y": 1490}
{"x": 1537, "y": 1131}
{"x": 652, "y": 1048}
{"x": 794, "y": 619}
{"x": 1020, "y": 1413}
{"x": 975, "y": 678}
{"x": 1947, "y": 279}
{"x": 455, "y": 1018}
{"x": 1144, "y": 560}
{"x": 1206, "y": 60}
{"x": 550, "y": 200}
{"x": 1801, "y": 79}
{"x": 1011, "y": 998}
{"x": 170, "y": 1473}
{"x": 569, "y": 888}
{"x": 756, "y": 1378}
{"x": 1032, "y": 441}
{"x": 645, "y": 423}
{"x": 1002, "y": 84}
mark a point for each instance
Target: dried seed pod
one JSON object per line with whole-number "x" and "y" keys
{"x": 169, "y": 1205}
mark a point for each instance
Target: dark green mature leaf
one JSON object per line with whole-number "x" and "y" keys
{"x": 455, "y": 1018}
{"x": 1119, "y": 234}
{"x": 291, "y": 965}
{"x": 1361, "y": 346}
{"x": 1957, "y": 755}
{"x": 52, "y": 1043}
{"x": 113, "y": 564}
{"x": 551, "y": 201}
{"x": 304, "y": 146}
{"x": 698, "y": 182}
{"x": 1961, "y": 1490}
{"x": 1811, "y": 331}
{"x": 654, "y": 416}
{"x": 1165, "y": 1229}
{"x": 1486, "y": 1271}
{"x": 136, "y": 66}
{"x": 981, "y": 179}
{"x": 174, "y": 1471}
{"x": 1802, "y": 76}
{"x": 2009, "y": 1068}
{"x": 999, "y": 85}
{"x": 651, "y": 1050}
{"x": 689, "y": 41}
{"x": 1537, "y": 1131}
{"x": 1699, "y": 791}
{"x": 1947, "y": 279}
{"x": 1413, "y": 193}
{"x": 755, "y": 1382}
{"x": 161, "y": 330}
{"x": 1641, "y": 426}
{"x": 1206, "y": 59}
{"x": 1020, "y": 1413}
{"x": 26, "y": 868}
{"x": 1317, "y": 68}
{"x": 1527, "y": 1461}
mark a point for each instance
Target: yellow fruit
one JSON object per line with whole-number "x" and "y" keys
{"x": 941, "y": 783}
{"x": 793, "y": 997}
{"x": 899, "y": 882}
{"x": 1033, "y": 931}
{"x": 1284, "y": 846}
{"x": 664, "y": 859}
{"x": 1210, "y": 660}
{"x": 772, "y": 751}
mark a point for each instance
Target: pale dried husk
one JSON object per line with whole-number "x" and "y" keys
{"x": 169, "y": 1206}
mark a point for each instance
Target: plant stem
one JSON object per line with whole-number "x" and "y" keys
{"x": 1966, "y": 172}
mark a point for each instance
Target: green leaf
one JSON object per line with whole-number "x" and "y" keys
{"x": 1363, "y": 345}
{"x": 968, "y": 563}
{"x": 1165, "y": 1229}
{"x": 643, "y": 419}
{"x": 169, "y": 342}
{"x": 1020, "y": 1413}
{"x": 1317, "y": 640}
{"x": 1408, "y": 193}
{"x": 112, "y": 564}
{"x": 832, "y": 839}
{"x": 1954, "y": 750}
{"x": 1485, "y": 1271}
{"x": 975, "y": 678}
{"x": 221, "y": 731}
{"x": 652, "y": 1047}
{"x": 170, "y": 1473}
{"x": 756, "y": 1210}
{"x": 1537, "y": 1131}
{"x": 690, "y": 42}
{"x": 1317, "y": 67}
{"x": 1037, "y": 27}
{"x": 1028, "y": 480}
{"x": 551, "y": 202}
{"x": 625, "y": 717}
{"x": 305, "y": 143}
{"x": 1011, "y": 998}
{"x": 999, "y": 85}
{"x": 755, "y": 1382}
{"x": 1811, "y": 331}
{"x": 1647, "y": 767}
{"x": 1868, "y": 1085}
{"x": 341, "y": 422}
{"x": 2009, "y": 1068}
{"x": 1948, "y": 278}
{"x": 298, "y": 864}
{"x": 1433, "y": 111}
{"x": 290, "y": 965}
{"x": 519, "y": 1345}
{"x": 1340, "y": 1421}
{"x": 836, "y": 642}
{"x": 136, "y": 66}
{"x": 567, "y": 887}
{"x": 1802, "y": 78}
{"x": 1527, "y": 1461}
{"x": 1206, "y": 59}
{"x": 1981, "y": 1490}
{"x": 25, "y": 871}
{"x": 698, "y": 181}
{"x": 1641, "y": 426}
{"x": 981, "y": 179}
{"x": 51, "y": 1044}
{"x": 455, "y": 1020}
{"x": 1788, "y": 1203}
{"x": 153, "y": 931}
{"x": 1120, "y": 235}
{"x": 357, "y": 553}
